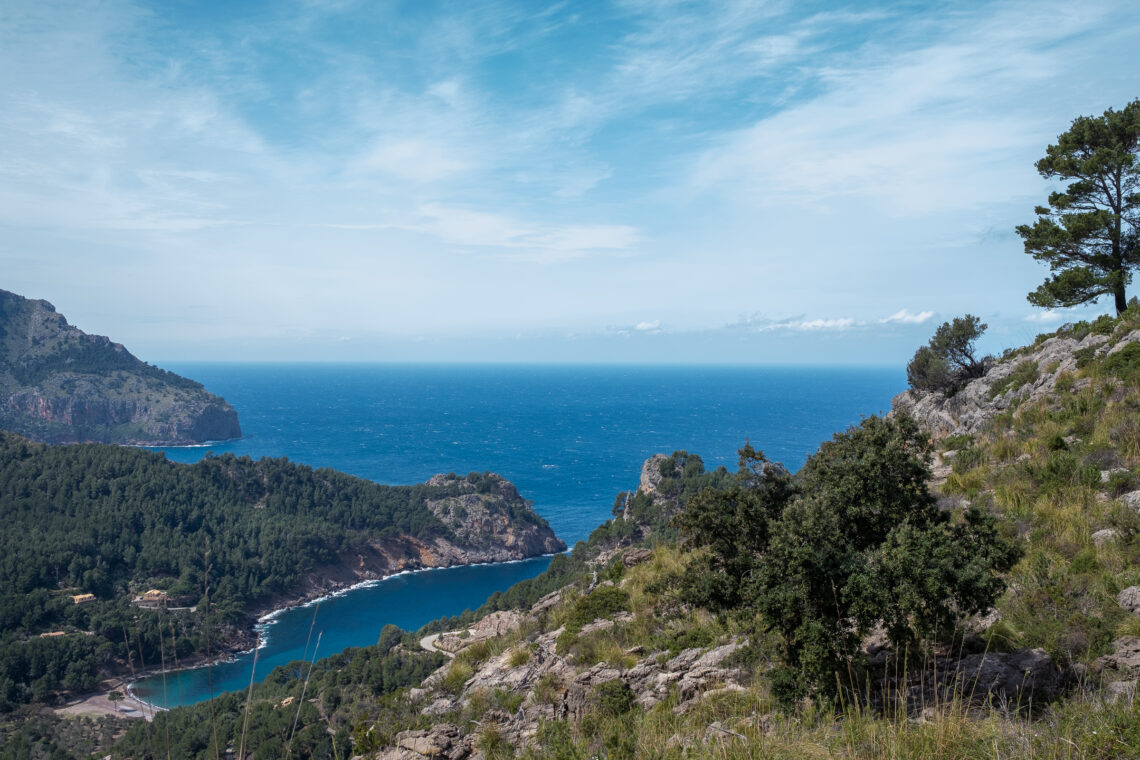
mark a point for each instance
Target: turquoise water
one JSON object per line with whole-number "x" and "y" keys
{"x": 570, "y": 438}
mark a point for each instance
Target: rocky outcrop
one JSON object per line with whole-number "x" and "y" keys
{"x": 61, "y": 385}
{"x": 488, "y": 515}
{"x": 651, "y": 474}
{"x": 1006, "y": 383}
{"x": 551, "y": 686}
{"x": 488, "y": 520}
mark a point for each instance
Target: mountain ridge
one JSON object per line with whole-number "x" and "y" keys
{"x": 59, "y": 384}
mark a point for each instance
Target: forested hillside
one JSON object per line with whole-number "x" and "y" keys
{"x": 114, "y": 522}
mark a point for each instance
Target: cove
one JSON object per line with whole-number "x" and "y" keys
{"x": 353, "y": 618}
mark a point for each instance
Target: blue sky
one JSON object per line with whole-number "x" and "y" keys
{"x": 644, "y": 181}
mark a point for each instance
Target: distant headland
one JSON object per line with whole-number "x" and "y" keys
{"x": 60, "y": 385}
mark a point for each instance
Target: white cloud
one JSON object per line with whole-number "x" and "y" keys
{"x": 1049, "y": 316}
{"x": 919, "y": 129}
{"x": 654, "y": 326}
{"x": 758, "y": 323}
{"x": 903, "y": 316}
{"x": 417, "y": 160}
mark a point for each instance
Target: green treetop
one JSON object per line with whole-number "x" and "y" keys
{"x": 1089, "y": 235}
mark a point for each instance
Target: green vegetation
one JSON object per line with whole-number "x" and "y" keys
{"x": 337, "y": 690}
{"x": 948, "y": 361}
{"x": 853, "y": 543}
{"x": 115, "y": 521}
{"x": 1089, "y": 235}
{"x": 1023, "y": 374}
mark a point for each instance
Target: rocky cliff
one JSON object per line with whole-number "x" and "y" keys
{"x": 486, "y": 521}
{"x": 61, "y": 385}
{"x": 1028, "y": 374}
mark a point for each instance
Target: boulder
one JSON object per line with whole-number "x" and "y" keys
{"x": 1129, "y": 599}
{"x": 1012, "y": 678}
{"x": 1105, "y": 536}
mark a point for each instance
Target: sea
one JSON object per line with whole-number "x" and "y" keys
{"x": 569, "y": 437}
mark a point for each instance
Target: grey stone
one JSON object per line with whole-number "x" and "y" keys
{"x": 1125, "y": 657}
{"x": 1104, "y": 536}
{"x": 1129, "y": 599}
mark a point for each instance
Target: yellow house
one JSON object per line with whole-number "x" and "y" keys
{"x": 83, "y": 598}
{"x": 152, "y": 598}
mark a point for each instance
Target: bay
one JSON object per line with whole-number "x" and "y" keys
{"x": 570, "y": 438}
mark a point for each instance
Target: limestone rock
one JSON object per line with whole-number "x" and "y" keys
{"x": 490, "y": 515}
{"x": 1106, "y": 475}
{"x": 970, "y": 408}
{"x": 1117, "y": 690}
{"x": 443, "y": 741}
{"x": 1129, "y": 599}
{"x": 1125, "y": 657}
{"x": 1104, "y": 536}
{"x": 60, "y": 385}
{"x": 651, "y": 473}
{"x": 634, "y": 557}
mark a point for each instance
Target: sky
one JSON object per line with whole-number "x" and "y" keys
{"x": 646, "y": 181}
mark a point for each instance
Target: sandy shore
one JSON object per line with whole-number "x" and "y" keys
{"x": 99, "y": 703}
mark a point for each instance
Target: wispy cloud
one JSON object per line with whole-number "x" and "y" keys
{"x": 905, "y": 317}
{"x": 1049, "y": 316}
{"x": 760, "y": 323}
{"x": 926, "y": 126}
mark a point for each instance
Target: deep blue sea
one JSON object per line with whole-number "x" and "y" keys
{"x": 569, "y": 437}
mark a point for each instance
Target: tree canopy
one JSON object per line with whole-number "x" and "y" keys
{"x": 949, "y": 360}
{"x": 1089, "y": 234}
{"x": 852, "y": 543}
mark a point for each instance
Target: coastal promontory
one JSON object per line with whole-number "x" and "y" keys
{"x": 60, "y": 385}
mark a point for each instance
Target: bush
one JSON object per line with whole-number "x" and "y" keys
{"x": 857, "y": 543}
{"x": 948, "y": 361}
{"x": 1124, "y": 362}
{"x": 614, "y": 697}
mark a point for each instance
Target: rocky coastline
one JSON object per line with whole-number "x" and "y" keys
{"x": 59, "y": 384}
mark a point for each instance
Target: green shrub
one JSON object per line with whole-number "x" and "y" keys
{"x": 1124, "y": 362}
{"x": 1085, "y": 356}
{"x": 614, "y": 697}
{"x": 603, "y": 602}
{"x": 957, "y": 442}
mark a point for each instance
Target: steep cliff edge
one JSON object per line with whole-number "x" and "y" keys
{"x": 61, "y": 385}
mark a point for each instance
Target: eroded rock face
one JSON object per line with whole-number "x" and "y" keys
{"x": 61, "y": 385}
{"x": 968, "y": 410}
{"x": 487, "y": 513}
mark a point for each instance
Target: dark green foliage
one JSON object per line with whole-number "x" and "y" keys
{"x": 111, "y": 521}
{"x": 1125, "y": 363}
{"x": 1085, "y": 356}
{"x": 948, "y": 361}
{"x": 854, "y": 542}
{"x": 602, "y": 602}
{"x": 731, "y": 522}
{"x": 956, "y": 442}
{"x": 1089, "y": 235}
{"x": 614, "y": 697}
